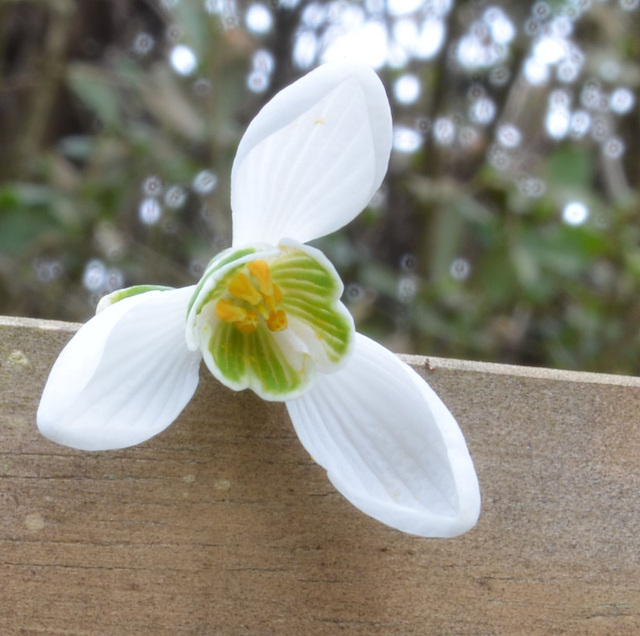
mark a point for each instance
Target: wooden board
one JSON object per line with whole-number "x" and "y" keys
{"x": 223, "y": 525}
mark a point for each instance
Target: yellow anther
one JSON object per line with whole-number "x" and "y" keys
{"x": 277, "y": 294}
{"x": 263, "y": 311}
{"x": 241, "y": 287}
{"x": 228, "y": 312}
{"x": 273, "y": 300}
{"x": 260, "y": 269}
{"x": 277, "y": 321}
{"x": 263, "y": 300}
{"x": 249, "y": 324}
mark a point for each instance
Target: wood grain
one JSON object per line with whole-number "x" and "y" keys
{"x": 223, "y": 525}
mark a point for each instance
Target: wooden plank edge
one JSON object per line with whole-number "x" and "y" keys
{"x": 429, "y": 364}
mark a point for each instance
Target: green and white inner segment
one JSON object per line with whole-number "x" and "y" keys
{"x": 268, "y": 318}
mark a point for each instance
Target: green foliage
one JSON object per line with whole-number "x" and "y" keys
{"x": 115, "y": 172}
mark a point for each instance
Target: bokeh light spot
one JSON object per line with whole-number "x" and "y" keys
{"x": 258, "y": 19}
{"x": 183, "y": 59}
{"x": 575, "y": 213}
{"x": 407, "y": 88}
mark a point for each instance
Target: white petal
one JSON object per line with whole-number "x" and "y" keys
{"x": 124, "y": 377}
{"x": 313, "y": 157}
{"x": 389, "y": 444}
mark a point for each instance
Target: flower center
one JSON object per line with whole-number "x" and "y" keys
{"x": 253, "y": 296}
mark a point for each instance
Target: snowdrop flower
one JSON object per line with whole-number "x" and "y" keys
{"x": 267, "y": 316}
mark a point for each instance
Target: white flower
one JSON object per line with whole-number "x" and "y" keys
{"x": 266, "y": 315}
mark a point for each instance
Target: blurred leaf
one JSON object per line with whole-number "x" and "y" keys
{"x": 77, "y": 147}
{"x": 569, "y": 167}
{"x": 24, "y": 195}
{"x": 19, "y": 230}
{"x": 95, "y": 89}
{"x": 530, "y": 288}
{"x": 379, "y": 278}
{"x": 194, "y": 24}
{"x": 447, "y": 192}
{"x": 445, "y": 240}
{"x": 163, "y": 97}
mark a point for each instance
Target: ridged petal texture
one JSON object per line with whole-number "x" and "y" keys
{"x": 124, "y": 377}
{"x": 312, "y": 158}
{"x": 311, "y": 289}
{"x": 277, "y": 365}
{"x": 389, "y": 444}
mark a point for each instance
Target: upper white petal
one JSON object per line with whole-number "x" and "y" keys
{"x": 313, "y": 157}
{"x": 124, "y": 377}
{"x": 389, "y": 444}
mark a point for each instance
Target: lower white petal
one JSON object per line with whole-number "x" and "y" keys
{"x": 124, "y": 377}
{"x": 389, "y": 444}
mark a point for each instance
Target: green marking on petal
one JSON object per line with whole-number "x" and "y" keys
{"x": 333, "y": 328}
{"x": 268, "y": 318}
{"x": 127, "y": 292}
{"x": 227, "y": 348}
{"x": 218, "y": 291}
{"x": 278, "y": 377}
{"x": 310, "y": 293}
{"x": 253, "y": 360}
{"x": 228, "y": 256}
{"x": 219, "y": 261}
{"x": 299, "y": 271}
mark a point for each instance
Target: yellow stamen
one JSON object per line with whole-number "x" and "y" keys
{"x": 277, "y": 321}
{"x": 273, "y": 300}
{"x": 264, "y": 300}
{"x": 277, "y": 294}
{"x": 263, "y": 311}
{"x": 241, "y": 287}
{"x": 228, "y": 312}
{"x": 249, "y": 324}
{"x": 260, "y": 269}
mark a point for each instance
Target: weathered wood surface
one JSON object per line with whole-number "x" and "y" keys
{"x": 223, "y": 525}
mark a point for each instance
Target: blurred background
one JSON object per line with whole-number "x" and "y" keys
{"x": 508, "y": 228}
